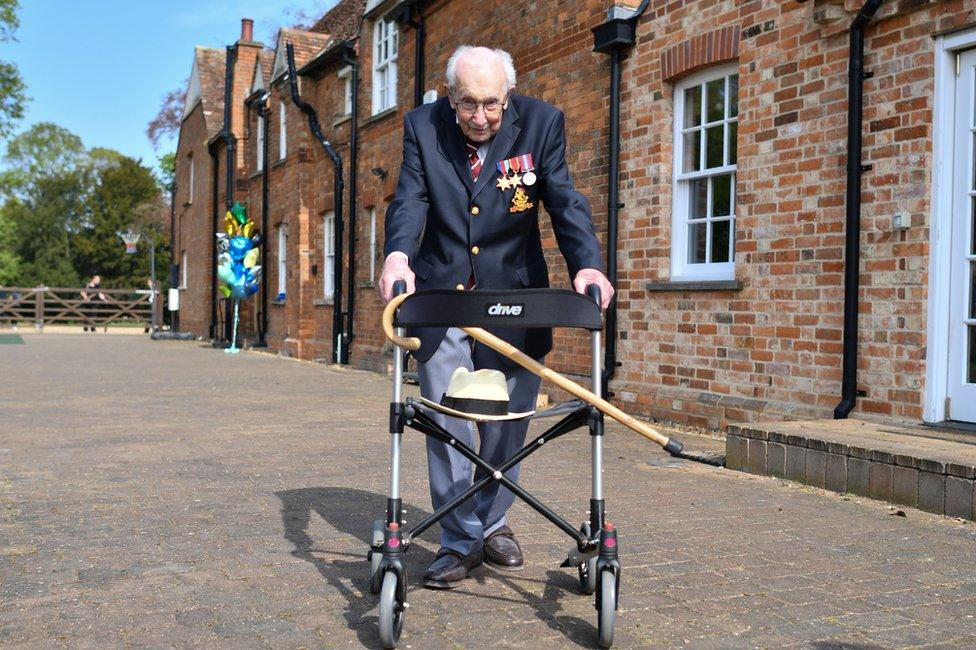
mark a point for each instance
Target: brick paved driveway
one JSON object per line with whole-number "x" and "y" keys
{"x": 167, "y": 494}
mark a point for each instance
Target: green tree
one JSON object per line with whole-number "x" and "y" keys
{"x": 13, "y": 97}
{"x": 167, "y": 172}
{"x": 43, "y": 151}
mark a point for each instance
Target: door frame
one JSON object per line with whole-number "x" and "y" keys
{"x": 940, "y": 225}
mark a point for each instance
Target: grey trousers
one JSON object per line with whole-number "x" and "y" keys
{"x": 449, "y": 473}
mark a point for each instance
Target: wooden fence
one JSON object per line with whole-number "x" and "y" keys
{"x": 42, "y": 306}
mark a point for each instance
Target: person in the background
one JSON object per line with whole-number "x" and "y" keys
{"x": 152, "y": 302}
{"x": 476, "y": 166}
{"x": 92, "y": 301}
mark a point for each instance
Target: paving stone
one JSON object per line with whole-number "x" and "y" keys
{"x": 858, "y": 476}
{"x": 959, "y": 497}
{"x": 931, "y": 492}
{"x": 776, "y": 459}
{"x": 835, "y": 473}
{"x": 736, "y": 452}
{"x": 904, "y": 486}
{"x": 796, "y": 463}
{"x": 816, "y": 464}
{"x": 879, "y": 481}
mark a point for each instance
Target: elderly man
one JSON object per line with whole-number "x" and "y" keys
{"x": 476, "y": 166}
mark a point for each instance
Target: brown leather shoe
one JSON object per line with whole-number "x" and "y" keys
{"x": 450, "y": 568}
{"x": 502, "y": 550}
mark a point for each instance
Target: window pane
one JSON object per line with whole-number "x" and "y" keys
{"x": 720, "y": 241}
{"x": 972, "y": 289}
{"x": 715, "y": 100}
{"x": 715, "y": 146}
{"x": 721, "y": 195}
{"x": 691, "y": 157}
{"x": 972, "y": 226}
{"x": 733, "y": 95}
{"x": 698, "y": 199}
{"x": 971, "y": 375}
{"x": 733, "y": 142}
{"x": 697, "y": 233}
{"x": 692, "y": 106}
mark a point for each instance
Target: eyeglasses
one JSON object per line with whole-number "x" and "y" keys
{"x": 491, "y": 107}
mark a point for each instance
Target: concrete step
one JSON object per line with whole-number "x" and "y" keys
{"x": 917, "y": 467}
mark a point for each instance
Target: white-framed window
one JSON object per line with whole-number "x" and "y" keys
{"x": 385, "y": 36}
{"x": 282, "y": 131}
{"x": 189, "y": 189}
{"x": 328, "y": 248}
{"x": 372, "y": 244}
{"x": 260, "y": 143}
{"x": 184, "y": 270}
{"x": 282, "y": 261}
{"x": 346, "y": 76}
{"x": 706, "y": 123}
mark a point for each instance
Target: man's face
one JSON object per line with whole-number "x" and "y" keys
{"x": 479, "y": 99}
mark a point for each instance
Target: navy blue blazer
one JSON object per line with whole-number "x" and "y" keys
{"x": 452, "y": 228}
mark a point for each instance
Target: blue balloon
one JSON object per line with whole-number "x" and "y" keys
{"x": 239, "y": 246}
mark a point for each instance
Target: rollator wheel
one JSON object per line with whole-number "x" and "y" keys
{"x": 607, "y": 597}
{"x": 391, "y": 611}
{"x": 376, "y": 557}
{"x": 587, "y": 570}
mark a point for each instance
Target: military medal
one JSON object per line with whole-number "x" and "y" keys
{"x": 527, "y": 166}
{"x": 529, "y": 177}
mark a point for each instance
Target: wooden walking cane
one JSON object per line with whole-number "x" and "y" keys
{"x": 673, "y": 447}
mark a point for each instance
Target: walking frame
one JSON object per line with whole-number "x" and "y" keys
{"x": 595, "y": 554}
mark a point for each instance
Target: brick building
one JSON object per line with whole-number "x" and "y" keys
{"x": 733, "y": 181}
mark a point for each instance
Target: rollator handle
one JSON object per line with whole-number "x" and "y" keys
{"x": 593, "y": 292}
{"x": 400, "y": 286}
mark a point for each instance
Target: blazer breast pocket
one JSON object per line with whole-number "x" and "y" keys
{"x": 534, "y": 274}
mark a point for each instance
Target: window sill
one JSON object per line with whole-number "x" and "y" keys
{"x": 255, "y": 174}
{"x": 323, "y": 302}
{"x": 694, "y": 285}
{"x": 278, "y": 163}
{"x": 366, "y": 284}
{"x": 379, "y": 116}
{"x": 342, "y": 119}
{"x": 277, "y": 302}
{"x": 187, "y": 204}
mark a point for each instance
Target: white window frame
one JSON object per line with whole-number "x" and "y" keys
{"x": 385, "y": 46}
{"x": 189, "y": 189}
{"x": 681, "y": 267}
{"x": 283, "y": 259}
{"x": 282, "y": 130}
{"x": 372, "y": 244}
{"x": 184, "y": 272}
{"x": 328, "y": 256}
{"x": 346, "y": 75}
{"x": 260, "y": 143}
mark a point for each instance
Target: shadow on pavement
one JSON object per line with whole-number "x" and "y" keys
{"x": 352, "y": 512}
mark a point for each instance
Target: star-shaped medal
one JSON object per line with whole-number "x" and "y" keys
{"x": 504, "y": 183}
{"x": 515, "y": 180}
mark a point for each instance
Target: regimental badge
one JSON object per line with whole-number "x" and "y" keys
{"x": 520, "y": 202}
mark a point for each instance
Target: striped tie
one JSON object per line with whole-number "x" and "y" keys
{"x": 473, "y": 160}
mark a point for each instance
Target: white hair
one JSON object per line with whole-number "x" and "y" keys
{"x": 482, "y": 55}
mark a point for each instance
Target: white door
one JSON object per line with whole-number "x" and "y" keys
{"x": 962, "y": 281}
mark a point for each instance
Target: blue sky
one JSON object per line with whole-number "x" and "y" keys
{"x": 100, "y": 68}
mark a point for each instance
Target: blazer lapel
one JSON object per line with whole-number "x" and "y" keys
{"x": 500, "y": 146}
{"x": 451, "y": 142}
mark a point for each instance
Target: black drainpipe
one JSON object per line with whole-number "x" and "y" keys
{"x": 260, "y": 104}
{"x": 616, "y": 36}
{"x": 230, "y": 147}
{"x": 349, "y": 58}
{"x": 852, "y": 254}
{"x": 214, "y": 228}
{"x": 340, "y": 353}
{"x": 411, "y": 15}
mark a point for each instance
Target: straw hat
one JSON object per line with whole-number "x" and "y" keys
{"x": 479, "y": 395}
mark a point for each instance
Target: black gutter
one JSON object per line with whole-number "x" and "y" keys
{"x": 259, "y": 101}
{"x": 174, "y": 269}
{"x": 339, "y": 352}
{"x": 616, "y": 36}
{"x": 411, "y": 15}
{"x": 349, "y": 58}
{"x": 230, "y": 149}
{"x": 852, "y": 249}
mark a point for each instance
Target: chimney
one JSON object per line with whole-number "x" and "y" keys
{"x": 247, "y": 30}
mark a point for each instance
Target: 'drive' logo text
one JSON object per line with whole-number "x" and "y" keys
{"x": 498, "y": 309}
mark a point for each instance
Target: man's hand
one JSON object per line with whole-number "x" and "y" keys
{"x": 395, "y": 268}
{"x": 586, "y": 277}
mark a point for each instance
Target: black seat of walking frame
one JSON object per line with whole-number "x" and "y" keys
{"x": 525, "y": 308}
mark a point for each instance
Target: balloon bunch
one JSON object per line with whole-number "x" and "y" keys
{"x": 238, "y": 254}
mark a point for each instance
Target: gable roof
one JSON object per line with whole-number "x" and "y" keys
{"x": 206, "y": 87}
{"x": 306, "y": 44}
{"x": 261, "y": 78}
{"x": 342, "y": 21}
